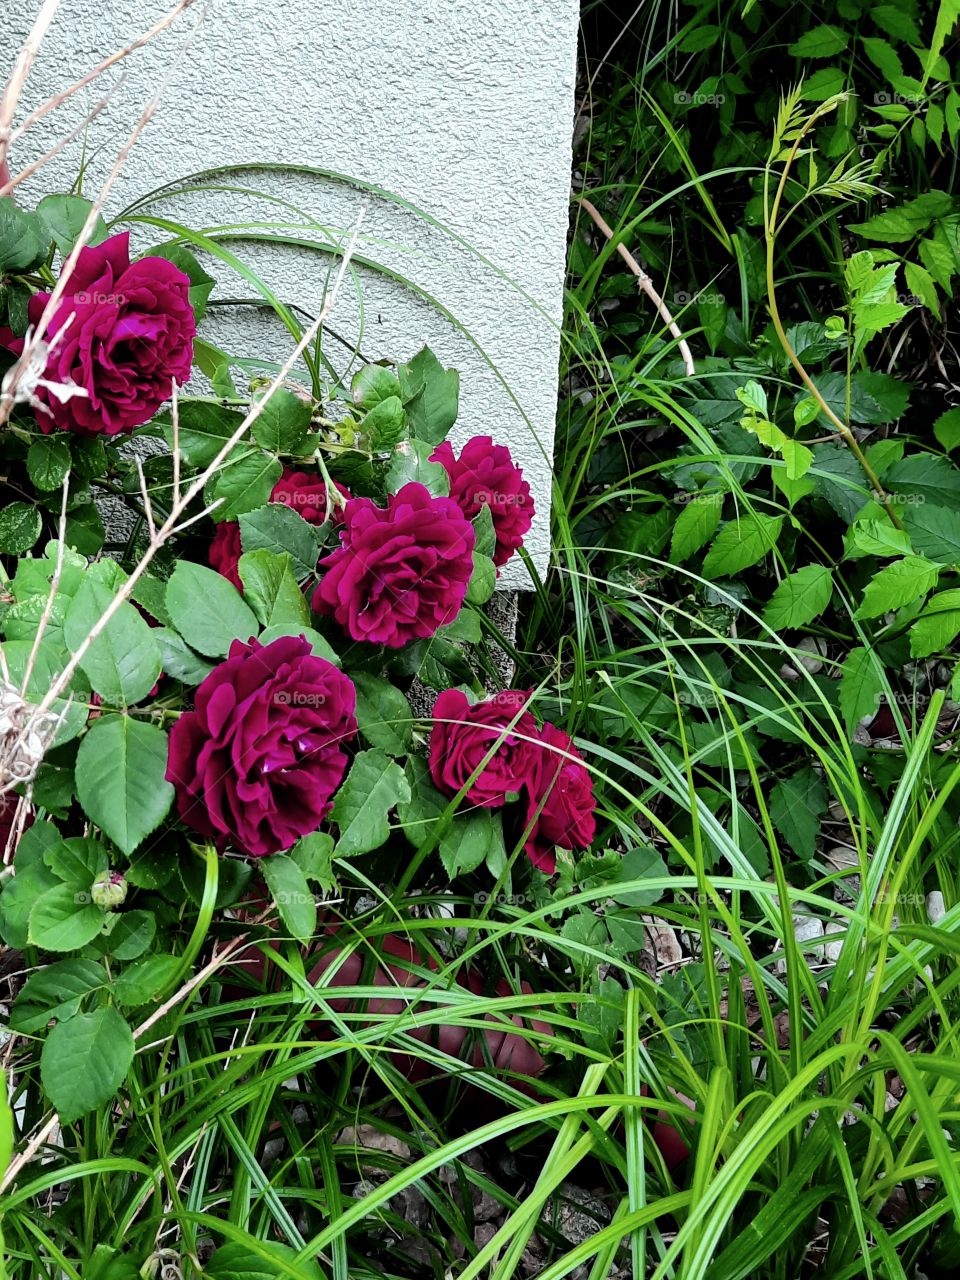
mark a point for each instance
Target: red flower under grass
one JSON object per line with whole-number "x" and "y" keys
{"x": 561, "y": 804}
{"x": 401, "y": 571}
{"x": 256, "y": 763}
{"x": 486, "y": 475}
{"x": 463, "y": 735}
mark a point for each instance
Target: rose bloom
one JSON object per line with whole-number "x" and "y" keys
{"x": 256, "y": 762}
{"x": 401, "y": 571}
{"x": 306, "y": 494}
{"x": 558, "y": 780}
{"x": 486, "y": 475}
{"x": 130, "y": 337}
{"x": 462, "y": 736}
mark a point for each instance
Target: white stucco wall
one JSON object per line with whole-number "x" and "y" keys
{"x": 461, "y": 107}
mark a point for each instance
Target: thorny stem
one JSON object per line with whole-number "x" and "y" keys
{"x": 771, "y": 231}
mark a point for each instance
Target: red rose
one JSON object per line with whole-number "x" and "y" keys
{"x": 130, "y": 337}
{"x": 225, "y": 551}
{"x": 257, "y": 761}
{"x": 463, "y": 735}
{"x": 486, "y": 475}
{"x": 307, "y": 495}
{"x": 560, "y": 783}
{"x": 400, "y": 572}
{"x": 9, "y": 802}
{"x": 303, "y": 493}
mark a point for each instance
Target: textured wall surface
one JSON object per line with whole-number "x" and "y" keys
{"x": 460, "y": 107}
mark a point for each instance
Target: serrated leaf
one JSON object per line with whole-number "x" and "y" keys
{"x": 880, "y": 538}
{"x": 897, "y": 584}
{"x": 64, "y": 217}
{"x": 22, "y": 238}
{"x": 271, "y": 589}
{"x": 861, "y": 686}
{"x": 797, "y": 803}
{"x": 223, "y": 618}
{"x": 740, "y": 544}
{"x": 201, "y": 283}
{"x": 277, "y": 528}
{"x": 374, "y": 786}
{"x": 469, "y": 841}
{"x": 947, "y": 429}
{"x": 48, "y": 461}
{"x": 937, "y": 626}
{"x": 926, "y": 476}
{"x": 935, "y": 532}
{"x": 695, "y": 525}
{"x": 55, "y": 992}
{"x": 205, "y": 427}
{"x": 283, "y": 423}
{"x": 84, "y": 1061}
{"x": 822, "y": 41}
{"x": 800, "y": 597}
{"x": 121, "y": 778}
{"x": 384, "y": 715}
{"x": 64, "y": 919}
{"x": 295, "y": 902}
{"x": 244, "y": 484}
{"x": 313, "y": 854}
{"x": 430, "y": 396}
{"x": 123, "y": 662}
{"x": 20, "y": 525}
{"x": 410, "y": 461}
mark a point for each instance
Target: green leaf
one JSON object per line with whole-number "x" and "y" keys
{"x": 880, "y": 538}
{"x": 64, "y": 919}
{"x": 48, "y": 664}
{"x": 374, "y": 785}
{"x": 244, "y": 484}
{"x": 642, "y": 863}
{"x": 926, "y": 476}
{"x": 484, "y": 533}
{"x": 64, "y": 218}
{"x": 207, "y": 610}
{"x": 178, "y": 659}
{"x": 741, "y": 543}
{"x": 797, "y": 803}
{"x": 935, "y": 532}
{"x": 696, "y": 525}
{"x": 48, "y": 461}
{"x": 922, "y": 286}
{"x": 277, "y": 528}
{"x": 244, "y": 1262}
{"x": 373, "y": 384}
{"x": 820, "y": 42}
{"x": 20, "y": 525}
{"x": 937, "y": 626}
{"x": 283, "y": 423}
{"x": 291, "y": 893}
{"x": 800, "y": 597}
{"x": 420, "y": 814}
{"x": 123, "y": 662}
{"x": 22, "y": 238}
{"x": 470, "y": 840}
{"x": 84, "y": 1061}
{"x": 77, "y": 861}
{"x": 201, "y": 284}
{"x": 319, "y": 645}
{"x": 947, "y": 429}
{"x": 483, "y": 580}
{"x": 313, "y": 854}
{"x": 205, "y": 427}
{"x": 897, "y": 584}
{"x": 385, "y": 425}
{"x": 430, "y": 396}
{"x": 861, "y": 686}
{"x": 128, "y": 936}
{"x": 410, "y": 462}
{"x": 384, "y": 715}
{"x": 271, "y": 589}
{"x": 55, "y": 993}
{"x": 121, "y": 778}
{"x": 147, "y": 981}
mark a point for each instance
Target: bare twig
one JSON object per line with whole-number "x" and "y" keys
{"x": 18, "y": 78}
{"x": 645, "y": 284}
{"x": 7, "y": 186}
